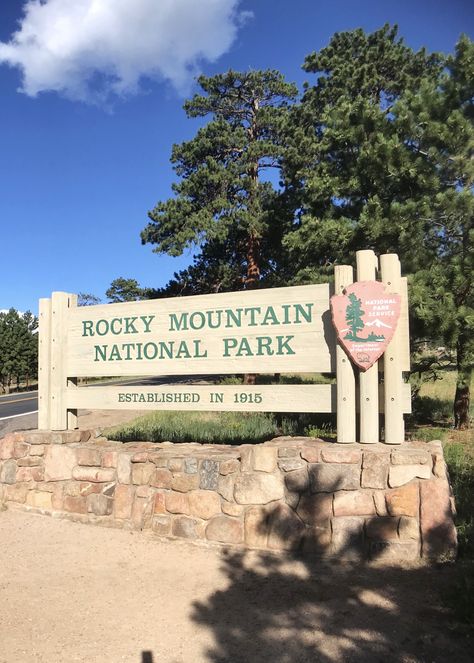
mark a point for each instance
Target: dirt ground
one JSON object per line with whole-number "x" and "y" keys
{"x": 71, "y": 592}
{"x": 74, "y": 592}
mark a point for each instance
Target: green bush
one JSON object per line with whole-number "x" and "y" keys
{"x": 428, "y": 409}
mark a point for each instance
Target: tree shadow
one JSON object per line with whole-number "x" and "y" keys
{"x": 298, "y": 607}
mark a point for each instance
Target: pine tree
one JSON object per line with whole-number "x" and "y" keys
{"x": 347, "y": 163}
{"x": 125, "y": 290}
{"x": 18, "y": 348}
{"x": 439, "y": 123}
{"x": 354, "y": 315}
{"x": 223, "y": 206}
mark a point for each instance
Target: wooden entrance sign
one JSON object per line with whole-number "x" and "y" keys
{"x": 280, "y": 330}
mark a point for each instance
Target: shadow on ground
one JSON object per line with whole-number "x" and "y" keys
{"x": 294, "y": 611}
{"x": 298, "y": 608}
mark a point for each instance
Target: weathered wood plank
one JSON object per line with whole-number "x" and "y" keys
{"x": 368, "y": 380}
{"x": 345, "y": 378}
{"x": 44, "y": 359}
{"x": 294, "y": 335}
{"x": 274, "y": 398}
{"x": 393, "y": 379}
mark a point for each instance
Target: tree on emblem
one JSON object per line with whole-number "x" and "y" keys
{"x": 354, "y": 315}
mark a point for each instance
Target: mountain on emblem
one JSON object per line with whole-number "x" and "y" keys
{"x": 364, "y": 307}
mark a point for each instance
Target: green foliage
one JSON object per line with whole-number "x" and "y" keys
{"x": 87, "y": 299}
{"x": 388, "y": 163}
{"x": 221, "y": 427}
{"x": 431, "y": 410}
{"x": 429, "y": 433}
{"x": 460, "y": 461}
{"x": 18, "y": 348}
{"x": 125, "y": 290}
{"x": 347, "y": 164}
{"x": 209, "y": 427}
{"x": 222, "y": 206}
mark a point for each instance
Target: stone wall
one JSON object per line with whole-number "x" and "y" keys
{"x": 348, "y": 502}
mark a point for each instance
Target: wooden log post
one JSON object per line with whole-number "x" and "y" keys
{"x": 44, "y": 359}
{"x": 393, "y": 379}
{"x": 345, "y": 378}
{"x": 368, "y": 381}
{"x": 72, "y": 382}
{"x": 60, "y": 303}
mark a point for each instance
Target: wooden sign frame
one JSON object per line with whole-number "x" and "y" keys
{"x": 262, "y": 331}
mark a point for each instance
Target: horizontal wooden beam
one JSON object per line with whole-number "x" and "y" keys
{"x": 237, "y": 398}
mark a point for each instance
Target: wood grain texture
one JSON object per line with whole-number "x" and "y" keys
{"x": 345, "y": 377}
{"x": 313, "y": 343}
{"x": 368, "y": 380}
{"x": 44, "y": 361}
{"x": 393, "y": 379}
{"x": 275, "y": 398}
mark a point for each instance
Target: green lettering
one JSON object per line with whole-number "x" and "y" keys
{"x": 127, "y": 347}
{"x": 114, "y": 354}
{"x": 264, "y": 343}
{"x": 218, "y": 322}
{"x": 200, "y": 316}
{"x": 198, "y": 353}
{"x": 284, "y": 344}
{"x": 299, "y": 310}
{"x": 150, "y": 350}
{"x": 252, "y": 311}
{"x": 112, "y": 326}
{"x": 229, "y": 344}
{"x": 178, "y": 324}
{"x": 102, "y": 351}
{"x": 147, "y": 322}
{"x": 286, "y": 314}
{"x": 101, "y": 325}
{"x": 270, "y": 315}
{"x": 87, "y": 327}
{"x": 183, "y": 351}
{"x": 234, "y": 318}
{"x": 166, "y": 348}
{"x": 244, "y": 348}
{"x": 130, "y": 325}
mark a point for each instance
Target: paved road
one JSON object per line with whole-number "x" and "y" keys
{"x": 17, "y": 405}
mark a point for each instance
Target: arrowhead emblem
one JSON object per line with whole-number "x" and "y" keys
{"x": 365, "y": 318}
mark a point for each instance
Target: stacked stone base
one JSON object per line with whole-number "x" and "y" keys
{"x": 343, "y": 502}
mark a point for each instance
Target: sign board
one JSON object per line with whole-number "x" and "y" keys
{"x": 280, "y": 330}
{"x": 262, "y": 331}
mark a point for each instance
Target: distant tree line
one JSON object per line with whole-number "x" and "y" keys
{"x": 376, "y": 152}
{"x": 18, "y": 349}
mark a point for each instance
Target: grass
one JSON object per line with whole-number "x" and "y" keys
{"x": 283, "y": 378}
{"x": 208, "y": 427}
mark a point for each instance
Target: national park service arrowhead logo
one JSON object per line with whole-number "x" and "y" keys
{"x": 365, "y": 318}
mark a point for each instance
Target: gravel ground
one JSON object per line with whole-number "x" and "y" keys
{"x": 74, "y": 592}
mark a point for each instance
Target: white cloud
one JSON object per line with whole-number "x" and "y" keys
{"x": 94, "y": 49}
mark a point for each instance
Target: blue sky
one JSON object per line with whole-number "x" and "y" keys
{"x": 82, "y": 164}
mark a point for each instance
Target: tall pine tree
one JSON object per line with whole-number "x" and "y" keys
{"x": 438, "y": 121}
{"x": 224, "y": 204}
{"x": 347, "y": 164}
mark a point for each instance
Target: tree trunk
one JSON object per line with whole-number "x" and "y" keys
{"x": 251, "y": 283}
{"x": 462, "y": 397}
